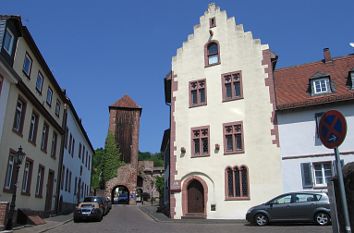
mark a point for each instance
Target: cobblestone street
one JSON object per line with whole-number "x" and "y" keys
{"x": 126, "y": 219}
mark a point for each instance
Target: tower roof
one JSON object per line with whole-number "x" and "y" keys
{"x": 125, "y": 102}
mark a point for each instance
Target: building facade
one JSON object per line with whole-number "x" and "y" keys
{"x": 304, "y": 92}
{"x": 224, "y": 150}
{"x": 33, "y": 117}
{"x": 76, "y": 167}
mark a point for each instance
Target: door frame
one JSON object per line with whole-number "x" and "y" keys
{"x": 49, "y": 191}
{"x": 185, "y": 195}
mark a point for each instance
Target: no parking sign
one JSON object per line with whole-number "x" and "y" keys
{"x": 332, "y": 129}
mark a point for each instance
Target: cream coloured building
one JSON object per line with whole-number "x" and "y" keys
{"x": 224, "y": 146}
{"x": 32, "y": 119}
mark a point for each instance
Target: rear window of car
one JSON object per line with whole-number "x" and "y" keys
{"x": 87, "y": 205}
{"x": 92, "y": 199}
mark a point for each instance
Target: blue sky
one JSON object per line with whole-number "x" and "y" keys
{"x": 102, "y": 50}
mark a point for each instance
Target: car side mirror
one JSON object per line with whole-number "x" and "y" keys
{"x": 270, "y": 204}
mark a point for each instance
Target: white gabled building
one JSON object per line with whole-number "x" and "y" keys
{"x": 77, "y": 161}
{"x": 224, "y": 152}
{"x": 304, "y": 93}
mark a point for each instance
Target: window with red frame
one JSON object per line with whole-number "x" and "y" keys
{"x": 232, "y": 86}
{"x": 237, "y": 183}
{"x": 212, "y": 54}
{"x": 197, "y": 93}
{"x": 200, "y": 141}
{"x": 233, "y": 138}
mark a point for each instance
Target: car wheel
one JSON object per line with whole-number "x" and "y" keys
{"x": 322, "y": 218}
{"x": 261, "y": 219}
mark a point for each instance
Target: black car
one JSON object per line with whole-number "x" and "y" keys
{"x": 295, "y": 206}
{"x": 88, "y": 211}
{"x": 101, "y": 201}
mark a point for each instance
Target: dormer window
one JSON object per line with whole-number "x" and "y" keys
{"x": 212, "y": 54}
{"x": 8, "y": 41}
{"x": 321, "y": 86}
{"x": 351, "y": 78}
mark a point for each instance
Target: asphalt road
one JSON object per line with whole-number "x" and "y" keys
{"x": 129, "y": 219}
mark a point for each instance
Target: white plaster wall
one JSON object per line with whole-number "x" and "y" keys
{"x": 13, "y": 141}
{"x": 297, "y": 130}
{"x": 73, "y": 163}
{"x": 22, "y": 48}
{"x": 239, "y": 52}
{"x": 8, "y": 79}
{"x": 3, "y": 102}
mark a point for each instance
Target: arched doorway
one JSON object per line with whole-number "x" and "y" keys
{"x": 195, "y": 197}
{"x": 120, "y": 195}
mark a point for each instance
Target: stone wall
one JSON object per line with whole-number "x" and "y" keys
{"x": 4, "y": 206}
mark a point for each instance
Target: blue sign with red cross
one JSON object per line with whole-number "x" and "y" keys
{"x": 332, "y": 129}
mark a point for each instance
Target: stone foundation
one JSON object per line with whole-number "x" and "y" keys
{"x": 4, "y": 206}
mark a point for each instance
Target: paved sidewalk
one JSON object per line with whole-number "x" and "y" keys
{"x": 160, "y": 217}
{"x": 51, "y": 223}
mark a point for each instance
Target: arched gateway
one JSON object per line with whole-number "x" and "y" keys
{"x": 195, "y": 197}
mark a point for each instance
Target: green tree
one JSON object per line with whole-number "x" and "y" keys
{"x": 105, "y": 163}
{"x": 156, "y": 157}
{"x": 112, "y": 158}
{"x": 97, "y": 168}
{"x": 160, "y": 185}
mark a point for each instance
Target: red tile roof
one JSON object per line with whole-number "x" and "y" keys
{"x": 125, "y": 102}
{"x": 292, "y": 84}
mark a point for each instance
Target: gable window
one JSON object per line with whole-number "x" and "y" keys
{"x": 200, "y": 141}
{"x": 39, "y": 82}
{"x": 27, "y": 65}
{"x": 233, "y": 138}
{"x": 197, "y": 93}
{"x": 212, "y": 55}
{"x": 19, "y": 116}
{"x": 39, "y": 184}
{"x": 9, "y": 171}
{"x": 57, "y": 108}
{"x": 8, "y": 41}
{"x": 237, "y": 185}
{"x": 212, "y": 22}
{"x": 232, "y": 86}
{"x": 49, "y": 96}
{"x": 27, "y": 176}
{"x": 321, "y": 85}
{"x": 54, "y": 145}
{"x": 44, "y": 141}
{"x": 33, "y": 128}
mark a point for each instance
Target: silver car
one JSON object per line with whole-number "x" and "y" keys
{"x": 295, "y": 206}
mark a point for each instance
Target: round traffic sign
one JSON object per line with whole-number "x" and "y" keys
{"x": 332, "y": 129}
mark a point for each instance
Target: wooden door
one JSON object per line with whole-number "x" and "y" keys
{"x": 49, "y": 192}
{"x": 195, "y": 197}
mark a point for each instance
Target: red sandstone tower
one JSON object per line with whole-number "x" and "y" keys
{"x": 124, "y": 123}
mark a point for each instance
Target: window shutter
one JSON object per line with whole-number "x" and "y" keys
{"x": 306, "y": 175}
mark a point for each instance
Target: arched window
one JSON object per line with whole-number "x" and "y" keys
{"x": 237, "y": 183}
{"x": 212, "y": 54}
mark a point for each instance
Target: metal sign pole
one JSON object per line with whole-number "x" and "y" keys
{"x": 342, "y": 191}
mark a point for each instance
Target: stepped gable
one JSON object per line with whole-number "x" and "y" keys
{"x": 125, "y": 102}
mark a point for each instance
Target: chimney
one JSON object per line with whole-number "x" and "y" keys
{"x": 327, "y": 55}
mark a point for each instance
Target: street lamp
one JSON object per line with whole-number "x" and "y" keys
{"x": 18, "y": 158}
